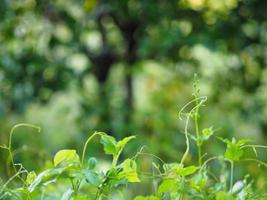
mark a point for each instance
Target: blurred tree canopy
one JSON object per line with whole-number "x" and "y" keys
{"x": 139, "y": 56}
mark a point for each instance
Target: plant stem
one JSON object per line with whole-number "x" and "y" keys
{"x": 187, "y": 139}
{"x": 115, "y": 160}
{"x": 99, "y": 195}
{"x": 197, "y": 133}
{"x": 9, "y": 148}
{"x": 231, "y": 176}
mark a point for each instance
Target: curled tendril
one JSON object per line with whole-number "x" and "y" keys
{"x": 201, "y": 100}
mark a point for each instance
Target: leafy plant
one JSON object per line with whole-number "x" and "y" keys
{"x": 81, "y": 173}
{"x": 82, "y": 178}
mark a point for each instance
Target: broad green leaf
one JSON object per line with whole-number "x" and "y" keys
{"x": 146, "y": 198}
{"x": 109, "y": 144}
{"x": 187, "y": 170}
{"x": 67, "y": 155}
{"x": 224, "y": 196}
{"x": 129, "y": 171}
{"x": 168, "y": 185}
{"x": 121, "y": 144}
{"x": 30, "y": 177}
{"x": 176, "y": 169}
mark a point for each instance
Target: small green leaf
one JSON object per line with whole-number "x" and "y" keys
{"x": 92, "y": 177}
{"x": 234, "y": 149}
{"x": 30, "y": 177}
{"x": 67, "y": 155}
{"x": 121, "y": 144}
{"x": 91, "y": 163}
{"x": 129, "y": 171}
{"x": 199, "y": 180}
{"x": 109, "y": 144}
{"x": 233, "y": 152}
{"x": 206, "y": 134}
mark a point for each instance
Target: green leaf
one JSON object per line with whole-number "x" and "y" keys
{"x": 92, "y": 177}
{"x": 129, "y": 171}
{"x": 187, "y": 170}
{"x": 146, "y": 198}
{"x": 176, "y": 169}
{"x": 206, "y": 134}
{"x": 244, "y": 141}
{"x": 91, "y": 163}
{"x": 199, "y": 180}
{"x": 168, "y": 185}
{"x": 224, "y": 196}
{"x": 121, "y": 144}
{"x": 234, "y": 149}
{"x": 30, "y": 177}
{"x": 109, "y": 144}
{"x": 233, "y": 152}
{"x": 67, "y": 155}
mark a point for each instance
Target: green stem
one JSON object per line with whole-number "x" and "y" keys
{"x": 206, "y": 162}
{"x": 87, "y": 142}
{"x": 197, "y": 133}
{"x": 231, "y": 176}
{"x": 9, "y": 148}
{"x": 254, "y": 146}
{"x": 187, "y": 139}
{"x": 115, "y": 160}
{"x": 99, "y": 195}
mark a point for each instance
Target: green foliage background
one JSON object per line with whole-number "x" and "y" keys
{"x": 126, "y": 67}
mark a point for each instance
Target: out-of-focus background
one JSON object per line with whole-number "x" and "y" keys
{"x": 126, "y": 67}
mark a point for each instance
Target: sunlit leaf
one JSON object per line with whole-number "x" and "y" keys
{"x": 109, "y": 144}
{"x": 168, "y": 185}
{"x": 30, "y": 177}
{"x": 146, "y": 198}
{"x": 121, "y": 144}
{"x": 68, "y": 155}
{"x": 91, "y": 163}
{"x": 129, "y": 171}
